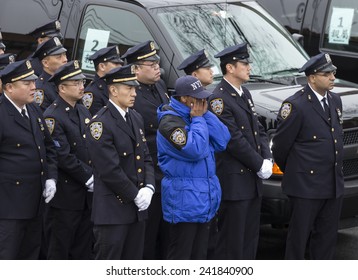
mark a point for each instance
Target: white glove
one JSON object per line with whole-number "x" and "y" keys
{"x": 90, "y": 183}
{"x": 50, "y": 190}
{"x": 266, "y": 169}
{"x": 143, "y": 198}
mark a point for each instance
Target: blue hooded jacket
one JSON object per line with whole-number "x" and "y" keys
{"x": 190, "y": 188}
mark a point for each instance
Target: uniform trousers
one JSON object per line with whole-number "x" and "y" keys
{"x": 20, "y": 239}
{"x": 188, "y": 241}
{"x": 238, "y": 229}
{"x": 70, "y": 234}
{"x": 317, "y": 220}
{"x": 119, "y": 242}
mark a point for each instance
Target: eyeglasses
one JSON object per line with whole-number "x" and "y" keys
{"x": 76, "y": 83}
{"x": 326, "y": 74}
{"x": 153, "y": 65}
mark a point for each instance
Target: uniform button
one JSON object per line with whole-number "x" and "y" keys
{"x": 314, "y": 137}
{"x": 332, "y": 129}
{"x": 17, "y": 183}
{"x": 124, "y": 154}
{"x": 90, "y": 161}
{"x": 139, "y": 170}
{"x": 151, "y": 125}
{"x": 74, "y": 144}
{"x": 141, "y": 184}
{"x": 117, "y": 196}
{"x": 335, "y": 141}
{"x": 18, "y": 145}
{"x": 255, "y": 133}
{"x": 336, "y": 164}
{"x": 84, "y": 135}
{"x": 42, "y": 173}
{"x": 242, "y": 170}
{"x": 39, "y": 147}
{"x": 138, "y": 157}
{"x": 242, "y": 127}
{"x": 336, "y": 152}
{"x": 42, "y": 160}
{"x": 259, "y": 147}
{"x": 311, "y": 171}
{"x": 65, "y": 181}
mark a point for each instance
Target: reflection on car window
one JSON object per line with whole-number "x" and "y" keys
{"x": 217, "y": 26}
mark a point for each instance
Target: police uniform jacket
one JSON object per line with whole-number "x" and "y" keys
{"x": 68, "y": 127}
{"x": 308, "y": 147}
{"x": 46, "y": 92}
{"x": 146, "y": 104}
{"x": 27, "y": 159}
{"x": 238, "y": 164}
{"x": 96, "y": 95}
{"x": 122, "y": 166}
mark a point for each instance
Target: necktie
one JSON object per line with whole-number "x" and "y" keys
{"x": 155, "y": 94}
{"x": 129, "y": 121}
{"x": 26, "y": 118}
{"x": 326, "y": 108}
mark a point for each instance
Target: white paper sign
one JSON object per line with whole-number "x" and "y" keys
{"x": 96, "y": 39}
{"x": 340, "y": 26}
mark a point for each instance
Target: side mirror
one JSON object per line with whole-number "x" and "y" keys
{"x": 299, "y": 38}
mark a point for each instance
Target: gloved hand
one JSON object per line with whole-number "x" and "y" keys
{"x": 143, "y": 198}
{"x": 50, "y": 190}
{"x": 266, "y": 169}
{"x": 90, "y": 183}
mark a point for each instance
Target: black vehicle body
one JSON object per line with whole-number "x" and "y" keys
{"x": 318, "y": 22}
{"x": 179, "y": 28}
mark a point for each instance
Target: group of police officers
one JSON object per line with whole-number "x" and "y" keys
{"x": 79, "y": 173}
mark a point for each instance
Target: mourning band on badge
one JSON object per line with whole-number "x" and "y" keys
{"x": 50, "y": 122}
{"x": 39, "y": 96}
{"x": 87, "y": 99}
{"x": 217, "y": 105}
{"x": 178, "y": 137}
{"x": 286, "y": 109}
{"x": 96, "y": 129}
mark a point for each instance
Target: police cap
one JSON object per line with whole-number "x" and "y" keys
{"x": 190, "y": 86}
{"x": 319, "y": 63}
{"x": 18, "y": 71}
{"x": 143, "y": 51}
{"x": 52, "y": 46}
{"x": 2, "y": 45}
{"x": 234, "y": 53}
{"x": 124, "y": 75}
{"x": 110, "y": 54}
{"x": 50, "y": 29}
{"x": 194, "y": 62}
{"x": 6, "y": 58}
{"x": 69, "y": 71}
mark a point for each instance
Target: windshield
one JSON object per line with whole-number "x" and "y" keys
{"x": 217, "y": 26}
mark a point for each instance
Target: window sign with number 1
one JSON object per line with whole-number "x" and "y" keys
{"x": 96, "y": 39}
{"x": 340, "y": 26}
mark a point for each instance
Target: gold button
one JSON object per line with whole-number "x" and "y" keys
{"x": 336, "y": 164}
{"x": 39, "y": 147}
{"x": 335, "y": 140}
{"x": 139, "y": 170}
{"x": 137, "y": 144}
{"x": 242, "y": 127}
{"x": 17, "y": 183}
{"x": 84, "y": 135}
{"x": 141, "y": 184}
{"x": 65, "y": 181}
{"x": 117, "y": 196}
{"x": 151, "y": 125}
{"x": 242, "y": 170}
{"x": 255, "y": 133}
{"x": 314, "y": 137}
{"x": 332, "y": 129}
{"x": 124, "y": 154}
{"x": 259, "y": 147}
{"x": 42, "y": 173}
{"x": 90, "y": 161}
{"x": 18, "y": 145}
{"x": 311, "y": 171}
{"x": 138, "y": 157}
{"x": 42, "y": 160}
{"x": 74, "y": 144}
{"x": 336, "y": 152}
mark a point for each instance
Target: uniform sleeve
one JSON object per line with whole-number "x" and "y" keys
{"x": 289, "y": 122}
{"x": 219, "y": 134}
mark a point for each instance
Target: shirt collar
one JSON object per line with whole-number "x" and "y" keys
{"x": 120, "y": 110}
{"x": 17, "y": 108}
{"x": 319, "y": 97}
{"x": 238, "y": 90}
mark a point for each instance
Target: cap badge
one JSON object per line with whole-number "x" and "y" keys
{"x": 152, "y": 47}
{"x": 217, "y": 105}
{"x": 57, "y": 41}
{"x": 117, "y": 50}
{"x": 286, "y": 110}
{"x": 28, "y": 64}
{"x": 328, "y": 58}
{"x": 133, "y": 69}
{"x": 50, "y": 122}
{"x": 96, "y": 129}
{"x": 58, "y": 25}
{"x": 178, "y": 137}
{"x": 11, "y": 59}
{"x": 76, "y": 64}
{"x": 206, "y": 54}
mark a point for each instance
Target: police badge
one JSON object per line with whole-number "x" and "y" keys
{"x": 87, "y": 99}
{"x": 39, "y": 96}
{"x": 286, "y": 110}
{"x": 178, "y": 137}
{"x": 96, "y": 129}
{"x": 217, "y": 105}
{"x": 50, "y": 122}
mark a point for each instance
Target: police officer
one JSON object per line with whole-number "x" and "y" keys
{"x": 42, "y": 34}
{"x": 96, "y": 94}
{"x": 124, "y": 174}
{"x": 2, "y": 45}
{"x": 151, "y": 93}
{"x": 52, "y": 55}
{"x": 28, "y": 164}
{"x": 308, "y": 148}
{"x": 70, "y": 229}
{"x": 245, "y": 162}
{"x": 5, "y": 59}
{"x": 199, "y": 66}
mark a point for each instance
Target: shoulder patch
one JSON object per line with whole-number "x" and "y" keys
{"x": 178, "y": 137}
{"x": 50, "y": 122}
{"x": 96, "y": 129}
{"x": 39, "y": 96}
{"x": 286, "y": 109}
{"x": 217, "y": 105}
{"x": 87, "y": 99}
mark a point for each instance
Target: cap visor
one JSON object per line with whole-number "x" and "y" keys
{"x": 77, "y": 77}
{"x": 131, "y": 83}
{"x": 117, "y": 60}
{"x": 152, "y": 58}
{"x": 2, "y": 46}
{"x": 206, "y": 64}
{"x": 202, "y": 95}
{"x": 245, "y": 60}
{"x": 328, "y": 68}
{"x": 30, "y": 78}
{"x": 59, "y": 51}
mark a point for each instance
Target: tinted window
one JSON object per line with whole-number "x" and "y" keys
{"x": 107, "y": 26}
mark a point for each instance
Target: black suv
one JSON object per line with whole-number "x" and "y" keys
{"x": 179, "y": 28}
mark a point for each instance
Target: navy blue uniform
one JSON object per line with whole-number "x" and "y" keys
{"x": 71, "y": 235}
{"x": 308, "y": 147}
{"x": 122, "y": 166}
{"x": 27, "y": 159}
{"x": 96, "y": 95}
{"x": 46, "y": 91}
{"x": 237, "y": 166}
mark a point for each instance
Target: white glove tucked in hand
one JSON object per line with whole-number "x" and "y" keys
{"x": 50, "y": 190}
{"x": 143, "y": 198}
{"x": 266, "y": 169}
{"x": 90, "y": 183}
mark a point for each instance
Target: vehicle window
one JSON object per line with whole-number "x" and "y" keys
{"x": 341, "y": 28}
{"x": 217, "y": 26}
{"x": 107, "y": 26}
